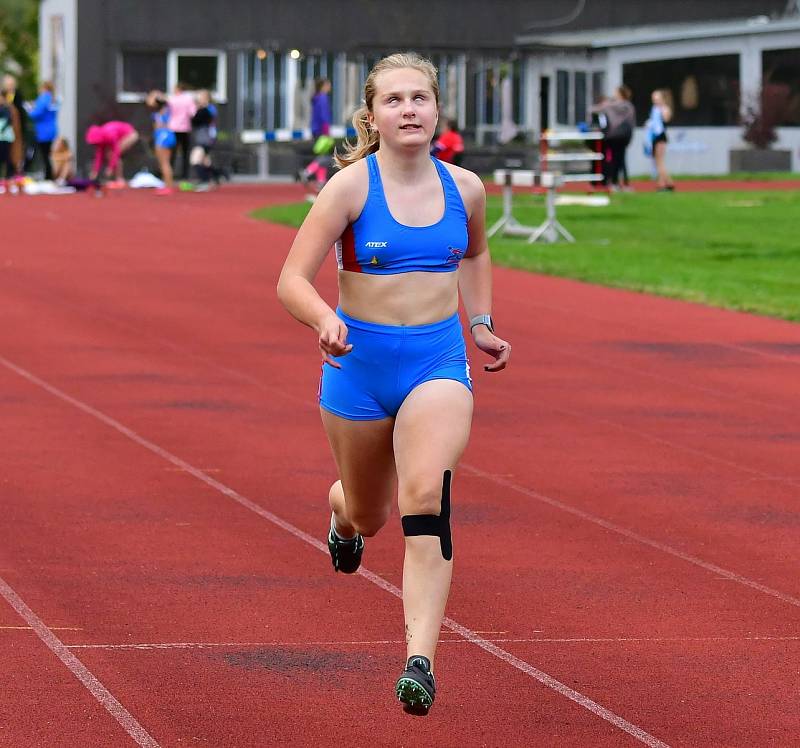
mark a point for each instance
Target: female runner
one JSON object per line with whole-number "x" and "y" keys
{"x": 396, "y": 393}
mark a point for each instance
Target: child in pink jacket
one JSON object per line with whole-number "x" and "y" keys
{"x": 113, "y": 139}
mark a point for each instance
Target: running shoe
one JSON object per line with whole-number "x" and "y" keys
{"x": 345, "y": 554}
{"x": 416, "y": 688}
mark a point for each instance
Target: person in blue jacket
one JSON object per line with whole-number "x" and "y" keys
{"x": 44, "y": 114}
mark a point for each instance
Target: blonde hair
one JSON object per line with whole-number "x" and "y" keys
{"x": 667, "y": 103}
{"x": 367, "y": 139}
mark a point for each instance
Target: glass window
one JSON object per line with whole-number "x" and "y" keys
{"x": 312, "y": 67}
{"x": 598, "y": 86}
{"x": 703, "y": 91}
{"x": 782, "y": 83}
{"x": 520, "y": 88}
{"x": 276, "y": 92}
{"x": 562, "y": 97}
{"x": 580, "y": 97}
{"x": 260, "y": 90}
{"x": 491, "y": 94}
{"x": 141, "y": 72}
{"x": 198, "y": 69}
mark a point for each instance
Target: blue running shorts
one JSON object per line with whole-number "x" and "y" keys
{"x": 387, "y": 362}
{"x": 165, "y": 138}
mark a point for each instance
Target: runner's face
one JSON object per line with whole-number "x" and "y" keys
{"x": 404, "y": 110}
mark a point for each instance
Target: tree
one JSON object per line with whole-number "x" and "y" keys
{"x": 766, "y": 112}
{"x": 19, "y": 42}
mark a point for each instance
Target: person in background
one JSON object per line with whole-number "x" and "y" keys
{"x": 44, "y": 114}
{"x": 62, "y": 161}
{"x": 13, "y": 97}
{"x": 321, "y": 118}
{"x": 114, "y": 138}
{"x": 182, "y": 107}
{"x": 618, "y": 119}
{"x": 204, "y": 137}
{"x": 15, "y": 100}
{"x": 656, "y": 138}
{"x": 624, "y": 93}
{"x": 9, "y": 145}
{"x": 449, "y": 146}
{"x": 163, "y": 140}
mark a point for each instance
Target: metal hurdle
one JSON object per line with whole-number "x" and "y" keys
{"x": 262, "y": 139}
{"x": 551, "y": 229}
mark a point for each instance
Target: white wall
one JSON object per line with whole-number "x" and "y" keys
{"x": 704, "y": 150}
{"x": 51, "y": 52}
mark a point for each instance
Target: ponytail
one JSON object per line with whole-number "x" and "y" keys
{"x": 367, "y": 140}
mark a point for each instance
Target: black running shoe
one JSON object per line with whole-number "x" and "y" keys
{"x": 345, "y": 554}
{"x": 416, "y": 687}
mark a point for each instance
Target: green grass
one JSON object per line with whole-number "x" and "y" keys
{"x": 734, "y": 176}
{"x": 290, "y": 214}
{"x": 738, "y": 250}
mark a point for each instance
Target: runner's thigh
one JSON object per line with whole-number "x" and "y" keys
{"x": 430, "y": 434}
{"x": 364, "y": 456}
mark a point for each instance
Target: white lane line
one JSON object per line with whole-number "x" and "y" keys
{"x": 673, "y": 445}
{"x": 250, "y": 379}
{"x": 382, "y": 642}
{"x": 647, "y": 331}
{"x": 258, "y": 383}
{"x": 463, "y": 631}
{"x": 529, "y": 492}
{"x": 757, "y": 352}
{"x": 733, "y": 576}
{"x": 52, "y": 628}
{"x": 596, "y": 361}
{"x": 78, "y": 669}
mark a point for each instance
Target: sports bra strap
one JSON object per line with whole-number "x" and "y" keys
{"x": 375, "y": 183}
{"x": 452, "y": 195}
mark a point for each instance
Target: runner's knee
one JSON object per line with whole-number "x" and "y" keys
{"x": 368, "y": 523}
{"x": 421, "y": 498}
{"x": 436, "y": 523}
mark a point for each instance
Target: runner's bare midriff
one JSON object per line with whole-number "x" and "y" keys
{"x": 415, "y": 298}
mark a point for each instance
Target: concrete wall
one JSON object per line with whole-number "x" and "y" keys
{"x": 704, "y": 150}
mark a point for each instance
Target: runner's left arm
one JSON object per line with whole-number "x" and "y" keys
{"x": 475, "y": 275}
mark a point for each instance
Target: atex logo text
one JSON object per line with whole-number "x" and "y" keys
{"x": 376, "y": 244}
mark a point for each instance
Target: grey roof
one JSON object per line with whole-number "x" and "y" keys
{"x": 633, "y": 35}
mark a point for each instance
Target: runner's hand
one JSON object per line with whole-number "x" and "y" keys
{"x": 496, "y": 347}
{"x": 333, "y": 340}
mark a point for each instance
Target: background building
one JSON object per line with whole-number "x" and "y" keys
{"x": 507, "y": 68}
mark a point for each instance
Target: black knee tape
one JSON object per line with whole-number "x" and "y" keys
{"x": 434, "y": 524}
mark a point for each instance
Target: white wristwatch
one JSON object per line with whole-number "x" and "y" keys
{"x": 482, "y": 319}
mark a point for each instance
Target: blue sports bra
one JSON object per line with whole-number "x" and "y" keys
{"x": 376, "y": 243}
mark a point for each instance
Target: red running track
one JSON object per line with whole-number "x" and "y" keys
{"x": 625, "y": 520}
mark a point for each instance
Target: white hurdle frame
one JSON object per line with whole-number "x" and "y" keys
{"x": 551, "y": 229}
